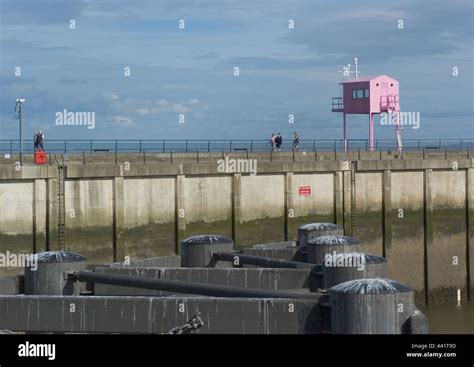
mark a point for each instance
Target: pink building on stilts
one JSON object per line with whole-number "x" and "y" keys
{"x": 370, "y": 95}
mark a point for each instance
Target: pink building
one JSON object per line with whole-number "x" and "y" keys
{"x": 370, "y": 95}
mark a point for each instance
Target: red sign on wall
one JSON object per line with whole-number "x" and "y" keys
{"x": 304, "y": 190}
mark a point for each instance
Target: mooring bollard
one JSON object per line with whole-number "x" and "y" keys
{"x": 46, "y": 273}
{"x": 370, "y": 306}
{"x": 340, "y": 268}
{"x": 196, "y": 251}
{"x": 309, "y": 231}
{"x": 318, "y": 247}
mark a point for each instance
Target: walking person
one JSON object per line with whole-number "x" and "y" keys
{"x": 296, "y": 141}
{"x": 279, "y": 142}
{"x": 39, "y": 140}
{"x": 272, "y": 142}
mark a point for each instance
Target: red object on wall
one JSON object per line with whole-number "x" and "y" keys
{"x": 304, "y": 190}
{"x": 40, "y": 157}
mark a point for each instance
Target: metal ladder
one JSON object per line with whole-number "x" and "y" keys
{"x": 61, "y": 204}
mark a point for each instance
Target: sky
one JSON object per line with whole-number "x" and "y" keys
{"x": 74, "y": 55}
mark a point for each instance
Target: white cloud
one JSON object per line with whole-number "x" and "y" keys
{"x": 123, "y": 121}
{"x": 192, "y": 105}
{"x": 162, "y": 106}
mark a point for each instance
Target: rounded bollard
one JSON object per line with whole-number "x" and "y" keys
{"x": 318, "y": 247}
{"x": 309, "y": 231}
{"x": 368, "y": 306}
{"x": 342, "y": 267}
{"x": 196, "y": 251}
{"x": 46, "y": 273}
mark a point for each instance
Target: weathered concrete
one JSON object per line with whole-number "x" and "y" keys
{"x": 447, "y": 254}
{"x": 406, "y": 217}
{"x": 172, "y": 261}
{"x": 132, "y": 210}
{"x": 11, "y": 285}
{"x": 157, "y": 315}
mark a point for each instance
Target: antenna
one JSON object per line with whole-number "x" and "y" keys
{"x": 357, "y": 69}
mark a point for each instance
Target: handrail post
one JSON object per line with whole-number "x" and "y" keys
{"x": 439, "y": 144}
{"x": 140, "y": 147}
{"x": 314, "y": 145}
{"x": 91, "y": 146}
{"x": 418, "y": 149}
{"x": 116, "y": 146}
{"x": 460, "y": 145}
{"x": 186, "y": 147}
{"x": 208, "y": 146}
{"x": 65, "y": 146}
{"x": 11, "y": 147}
{"x": 251, "y": 146}
{"x": 230, "y": 146}
{"x": 164, "y": 145}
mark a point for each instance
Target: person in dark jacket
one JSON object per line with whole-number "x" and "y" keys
{"x": 272, "y": 142}
{"x": 39, "y": 139}
{"x": 296, "y": 141}
{"x": 279, "y": 141}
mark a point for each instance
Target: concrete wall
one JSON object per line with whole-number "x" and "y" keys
{"x": 317, "y": 207}
{"x": 447, "y": 254}
{"x": 405, "y": 250}
{"x": 262, "y": 209}
{"x": 89, "y": 218}
{"x": 208, "y": 205}
{"x": 368, "y": 220}
{"x": 416, "y": 212}
{"x": 146, "y": 220}
{"x": 148, "y": 315}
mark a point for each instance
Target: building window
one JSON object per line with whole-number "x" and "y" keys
{"x": 360, "y": 93}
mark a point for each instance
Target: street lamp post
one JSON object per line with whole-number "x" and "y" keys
{"x": 19, "y": 103}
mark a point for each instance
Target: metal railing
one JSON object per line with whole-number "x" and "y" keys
{"x": 337, "y": 103}
{"x": 162, "y": 146}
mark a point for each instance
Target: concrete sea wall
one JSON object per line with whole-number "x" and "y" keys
{"x": 418, "y": 213}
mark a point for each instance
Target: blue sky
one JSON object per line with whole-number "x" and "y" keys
{"x": 190, "y": 71}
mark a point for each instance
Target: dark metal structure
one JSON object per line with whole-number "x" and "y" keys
{"x": 12, "y": 146}
{"x": 264, "y": 262}
{"x": 176, "y": 286}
